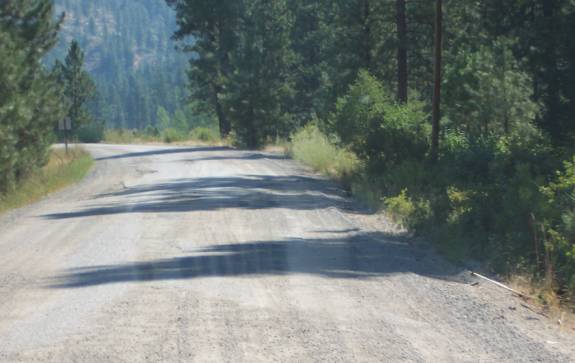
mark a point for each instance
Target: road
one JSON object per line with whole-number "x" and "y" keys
{"x": 167, "y": 254}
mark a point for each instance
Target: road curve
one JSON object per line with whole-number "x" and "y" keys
{"x": 167, "y": 254}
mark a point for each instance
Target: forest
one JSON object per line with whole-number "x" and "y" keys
{"x": 131, "y": 57}
{"x": 455, "y": 116}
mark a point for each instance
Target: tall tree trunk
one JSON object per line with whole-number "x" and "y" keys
{"x": 436, "y": 112}
{"x": 550, "y": 72}
{"x": 216, "y": 40}
{"x": 224, "y": 123}
{"x": 366, "y": 36}
{"x": 401, "y": 51}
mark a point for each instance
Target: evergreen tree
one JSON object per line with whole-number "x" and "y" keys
{"x": 261, "y": 85}
{"x": 163, "y": 118}
{"x": 30, "y": 98}
{"x": 79, "y": 87}
{"x": 543, "y": 29}
{"x": 213, "y": 26}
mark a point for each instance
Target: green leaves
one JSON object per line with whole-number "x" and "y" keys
{"x": 242, "y": 65}
{"x": 376, "y": 128}
{"x": 487, "y": 94}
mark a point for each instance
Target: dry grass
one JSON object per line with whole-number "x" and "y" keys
{"x": 312, "y": 147}
{"x": 61, "y": 170}
{"x": 546, "y": 300}
{"x": 197, "y": 136}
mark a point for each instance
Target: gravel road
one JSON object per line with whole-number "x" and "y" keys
{"x": 167, "y": 254}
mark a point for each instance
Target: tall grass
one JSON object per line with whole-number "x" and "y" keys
{"x": 205, "y": 134}
{"x": 312, "y": 147}
{"x": 61, "y": 170}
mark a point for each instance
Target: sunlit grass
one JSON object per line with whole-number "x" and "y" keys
{"x": 61, "y": 170}
{"x": 128, "y": 137}
{"x": 313, "y": 148}
{"x": 199, "y": 135}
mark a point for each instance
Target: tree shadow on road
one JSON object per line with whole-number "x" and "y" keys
{"x": 250, "y": 192}
{"x": 236, "y": 156}
{"x": 159, "y": 151}
{"x": 355, "y": 256}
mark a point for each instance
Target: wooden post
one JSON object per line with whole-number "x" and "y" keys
{"x": 66, "y": 140}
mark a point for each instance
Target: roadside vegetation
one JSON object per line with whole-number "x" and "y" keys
{"x": 464, "y": 134}
{"x": 200, "y": 135}
{"x": 34, "y": 100}
{"x": 61, "y": 171}
{"x": 314, "y": 148}
{"x": 503, "y": 199}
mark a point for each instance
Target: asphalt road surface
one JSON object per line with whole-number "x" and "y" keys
{"x": 168, "y": 254}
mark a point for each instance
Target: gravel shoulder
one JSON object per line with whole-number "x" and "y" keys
{"x": 168, "y": 254}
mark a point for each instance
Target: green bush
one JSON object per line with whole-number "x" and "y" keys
{"x": 170, "y": 135}
{"x": 313, "y": 147}
{"x": 152, "y": 131}
{"x": 205, "y": 134}
{"x": 401, "y": 207}
{"x": 559, "y": 226}
{"x": 375, "y": 128}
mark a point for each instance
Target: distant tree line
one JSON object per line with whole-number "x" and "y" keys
{"x": 130, "y": 56}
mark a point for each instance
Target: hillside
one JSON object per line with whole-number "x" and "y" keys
{"x": 130, "y": 54}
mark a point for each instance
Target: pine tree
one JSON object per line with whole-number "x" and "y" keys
{"x": 30, "y": 98}
{"x": 79, "y": 87}
{"x": 213, "y": 24}
{"x": 163, "y": 118}
{"x": 261, "y": 85}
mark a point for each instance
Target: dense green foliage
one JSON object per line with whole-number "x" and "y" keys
{"x": 30, "y": 97}
{"x": 499, "y": 189}
{"x": 366, "y": 115}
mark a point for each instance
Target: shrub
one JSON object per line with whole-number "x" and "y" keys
{"x": 170, "y": 135}
{"x": 314, "y": 148}
{"x": 205, "y": 134}
{"x": 377, "y": 129}
{"x": 401, "y": 207}
{"x": 152, "y": 131}
{"x": 559, "y": 226}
